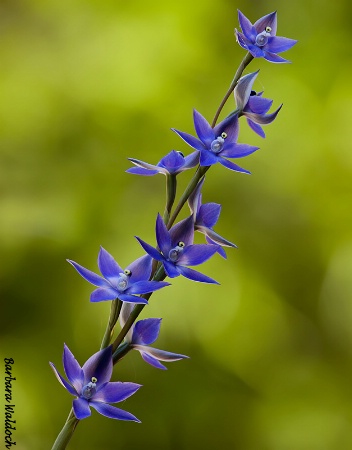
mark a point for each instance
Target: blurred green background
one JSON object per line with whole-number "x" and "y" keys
{"x": 85, "y": 84}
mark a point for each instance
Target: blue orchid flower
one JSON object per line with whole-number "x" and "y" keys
{"x": 144, "y": 333}
{"x": 260, "y": 38}
{"x": 218, "y": 143}
{"x": 176, "y": 250}
{"x": 205, "y": 217}
{"x": 125, "y": 285}
{"x": 252, "y": 105}
{"x": 92, "y": 387}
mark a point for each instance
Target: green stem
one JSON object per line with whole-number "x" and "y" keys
{"x": 121, "y": 352}
{"x": 114, "y": 315}
{"x": 244, "y": 63}
{"x": 66, "y": 433}
{"x": 171, "y": 187}
{"x": 200, "y": 172}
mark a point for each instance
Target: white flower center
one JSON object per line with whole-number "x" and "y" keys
{"x": 89, "y": 389}
{"x": 175, "y": 252}
{"x": 262, "y": 38}
{"x": 218, "y": 143}
{"x": 123, "y": 280}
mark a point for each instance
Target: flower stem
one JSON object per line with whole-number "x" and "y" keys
{"x": 171, "y": 187}
{"x": 244, "y": 63}
{"x": 200, "y": 172}
{"x": 66, "y": 433}
{"x": 114, "y": 315}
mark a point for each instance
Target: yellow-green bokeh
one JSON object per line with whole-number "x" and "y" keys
{"x": 85, "y": 84}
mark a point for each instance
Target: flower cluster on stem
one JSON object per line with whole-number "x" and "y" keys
{"x": 175, "y": 252}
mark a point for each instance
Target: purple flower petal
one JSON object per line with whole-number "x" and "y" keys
{"x": 208, "y": 214}
{"x": 258, "y": 104}
{"x": 115, "y": 391}
{"x": 183, "y": 231}
{"x": 243, "y": 89}
{"x": 230, "y": 127}
{"x": 270, "y": 20}
{"x": 125, "y": 313}
{"x": 163, "y": 236}
{"x": 144, "y": 287}
{"x": 246, "y": 26}
{"x": 72, "y": 369}
{"x": 195, "y": 276}
{"x": 277, "y": 44}
{"x": 255, "y": 51}
{"x": 195, "y": 199}
{"x": 232, "y": 166}
{"x": 256, "y": 128}
{"x": 81, "y": 408}
{"x": 152, "y": 361}
{"x": 132, "y": 299}
{"x": 108, "y": 266}
{"x": 144, "y": 165}
{"x": 146, "y": 331}
{"x": 263, "y": 119}
{"x": 112, "y": 412}
{"x": 170, "y": 269}
{"x": 62, "y": 380}
{"x": 99, "y": 366}
{"x": 126, "y": 310}
{"x": 144, "y": 172}
{"x": 238, "y": 151}
{"x": 215, "y": 238}
{"x": 190, "y": 140}
{"x": 203, "y": 129}
{"x": 221, "y": 251}
{"x": 194, "y": 255}
{"x": 172, "y": 162}
{"x": 272, "y": 57}
{"x": 92, "y": 277}
{"x": 208, "y": 158}
{"x": 150, "y": 250}
{"x": 162, "y": 355}
{"x": 103, "y": 295}
{"x": 141, "y": 269}
{"x": 242, "y": 40}
{"x": 191, "y": 160}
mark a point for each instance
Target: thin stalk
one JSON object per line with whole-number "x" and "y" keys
{"x": 171, "y": 187}
{"x": 244, "y": 63}
{"x": 66, "y": 433}
{"x": 200, "y": 172}
{"x": 121, "y": 352}
{"x": 114, "y": 315}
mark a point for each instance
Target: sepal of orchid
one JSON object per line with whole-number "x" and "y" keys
{"x": 92, "y": 387}
{"x": 205, "y": 217}
{"x": 243, "y": 89}
{"x": 253, "y": 105}
{"x": 260, "y": 38}
{"x": 153, "y": 356}
{"x": 146, "y": 331}
{"x": 171, "y": 164}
